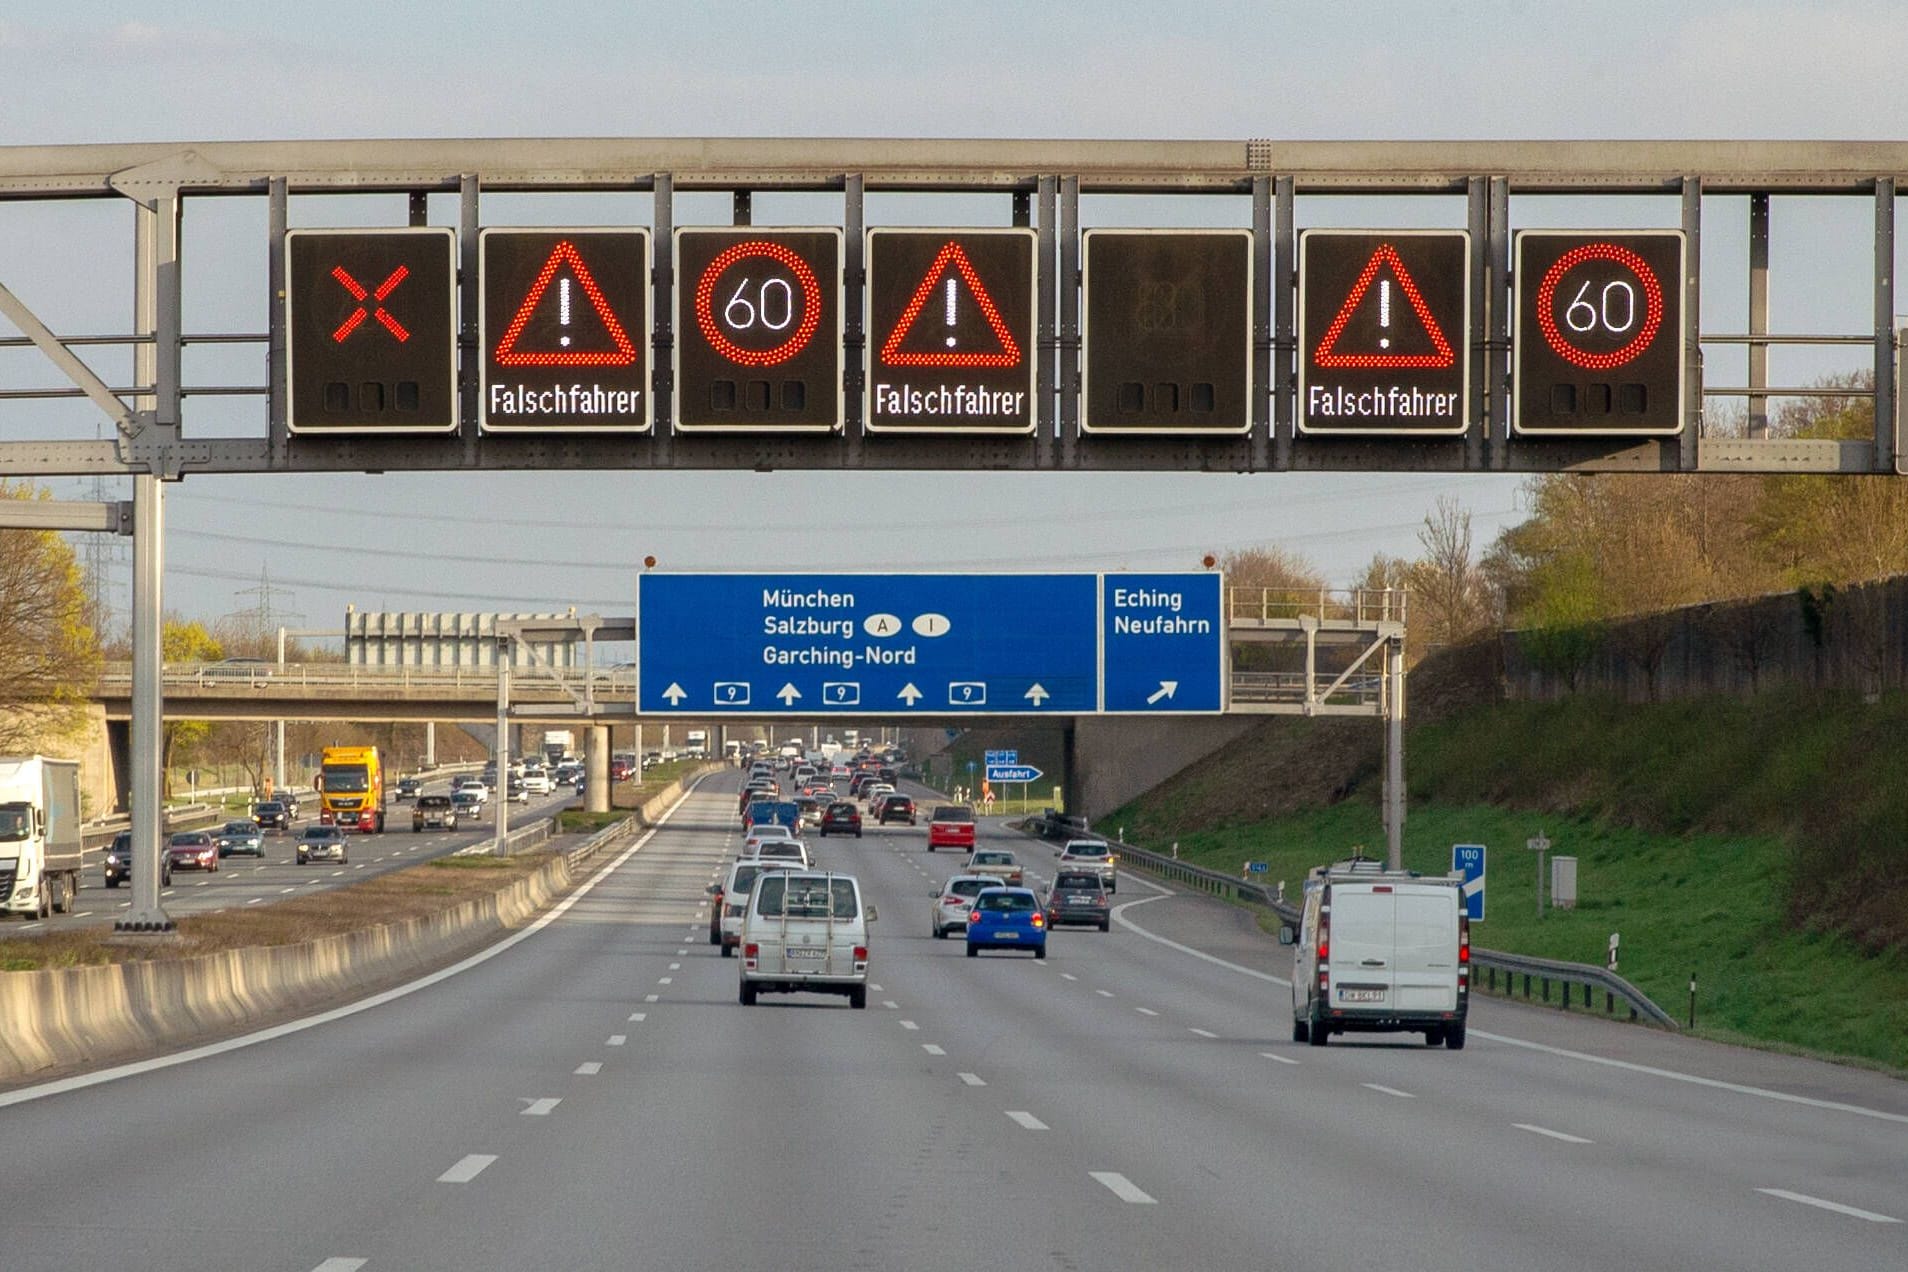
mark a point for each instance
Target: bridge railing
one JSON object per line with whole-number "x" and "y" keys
{"x": 1246, "y": 606}
{"x": 332, "y": 677}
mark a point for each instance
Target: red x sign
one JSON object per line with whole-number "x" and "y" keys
{"x": 377, "y": 309}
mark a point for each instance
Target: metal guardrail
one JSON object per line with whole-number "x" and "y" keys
{"x": 1486, "y": 965}
{"x": 610, "y": 836}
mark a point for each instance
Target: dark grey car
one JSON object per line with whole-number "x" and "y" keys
{"x": 1078, "y": 897}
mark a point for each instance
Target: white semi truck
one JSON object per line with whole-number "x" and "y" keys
{"x": 40, "y": 851}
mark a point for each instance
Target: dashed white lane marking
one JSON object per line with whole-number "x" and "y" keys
{"x": 1068, "y": 976}
{"x": 638, "y": 1017}
{"x": 1385, "y": 1090}
{"x": 1146, "y": 1011}
{"x": 359, "y": 866}
{"x": 1203, "y": 1033}
{"x": 202, "y": 883}
{"x": 890, "y": 1004}
{"x": 1104, "y": 993}
{"x": 1273, "y": 1055}
{"x": 875, "y": 988}
{"x": 1027, "y": 1119}
{"x": 932, "y": 1049}
{"x": 665, "y": 980}
{"x": 254, "y": 900}
{"x": 1821, "y": 1204}
{"x": 539, "y": 1108}
{"x": 1122, "y": 1187}
{"x": 168, "y": 892}
{"x": 973, "y": 1079}
{"x": 909, "y": 1024}
{"x": 467, "y": 1168}
{"x": 283, "y": 891}
{"x": 680, "y": 953}
{"x": 617, "y": 1040}
{"x": 1556, "y": 1135}
{"x": 336, "y": 873}
{"x": 675, "y": 967}
{"x": 589, "y": 1068}
{"x": 652, "y": 998}
{"x": 339, "y": 1264}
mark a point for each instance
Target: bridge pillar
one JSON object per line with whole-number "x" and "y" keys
{"x": 596, "y": 778}
{"x": 1070, "y": 786}
{"x": 430, "y": 744}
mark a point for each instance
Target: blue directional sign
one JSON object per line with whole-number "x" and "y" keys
{"x": 892, "y": 644}
{"x": 1001, "y": 757}
{"x": 1469, "y": 858}
{"x": 1164, "y": 642}
{"x": 1013, "y": 773}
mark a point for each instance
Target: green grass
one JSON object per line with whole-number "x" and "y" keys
{"x": 577, "y": 821}
{"x": 472, "y": 863}
{"x": 1702, "y": 903}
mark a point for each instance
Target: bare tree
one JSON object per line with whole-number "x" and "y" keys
{"x": 1450, "y": 597}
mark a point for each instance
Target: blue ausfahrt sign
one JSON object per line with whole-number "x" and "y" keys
{"x": 1013, "y": 773}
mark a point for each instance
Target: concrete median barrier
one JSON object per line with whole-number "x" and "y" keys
{"x": 77, "y": 1017}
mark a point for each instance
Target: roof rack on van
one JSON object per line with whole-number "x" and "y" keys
{"x": 1365, "y": 868}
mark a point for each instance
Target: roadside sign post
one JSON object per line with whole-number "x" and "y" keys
{"x": 1540, "y": 846}
{"x": 1614, "y": 938}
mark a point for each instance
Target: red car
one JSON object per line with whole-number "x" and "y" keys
{"x": 841, "y": 818}
{"x": 193, "y": 850}
{"x": 952, "y": 827}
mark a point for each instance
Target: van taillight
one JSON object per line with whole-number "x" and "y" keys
{"x": 1464, "y": 938}
{"x": 1324, "y": 936}
{"x": 751, "y": 950}
{"x": 861, "y": 953}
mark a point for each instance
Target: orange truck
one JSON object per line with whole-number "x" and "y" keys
{"x": 351, "y": 789}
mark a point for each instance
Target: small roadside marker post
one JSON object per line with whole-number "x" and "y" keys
{"x": 1539, "y": 845}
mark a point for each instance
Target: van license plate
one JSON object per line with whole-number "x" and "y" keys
{"x": 1361, "y": 995}
{"x": 805, "y": 951}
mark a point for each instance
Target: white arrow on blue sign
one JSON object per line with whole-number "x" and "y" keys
{"x": 1469, "y": 858}
{"x": 1003, "y": 757}
{"x": 1013, "y": 773}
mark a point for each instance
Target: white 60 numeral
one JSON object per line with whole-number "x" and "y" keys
{"x": 773, "y": 305}
{"x": 1617, "y": 298}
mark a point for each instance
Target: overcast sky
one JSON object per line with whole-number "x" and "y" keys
{"x": 79, "y": 71}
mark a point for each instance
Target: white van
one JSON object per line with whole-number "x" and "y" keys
{"x": 1380, "y": 951}
{"x": 806, "y": 932}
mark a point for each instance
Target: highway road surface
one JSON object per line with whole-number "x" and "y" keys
{"x": 248, "y": 881}
{"x": 590, "y": 1095}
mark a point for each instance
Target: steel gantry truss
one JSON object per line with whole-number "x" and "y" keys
{"x": 1042, "y": 181}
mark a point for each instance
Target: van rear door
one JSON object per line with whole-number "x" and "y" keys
{"x": 1425, "y": 952}
{"x": 1362, "y": 946}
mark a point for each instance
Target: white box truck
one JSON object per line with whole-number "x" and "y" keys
{"x": 558, "y": 745}
{"x": 1380, "y": 950}
{"x": 41, "y": 856}
{"x": 696, "y": 742}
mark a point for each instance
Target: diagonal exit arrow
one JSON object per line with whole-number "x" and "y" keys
{"x": 788, "y": 693}
{"x": 675, "y": 693}
{"x": 909, "y": 694}
{"x": 1166, "y": 690}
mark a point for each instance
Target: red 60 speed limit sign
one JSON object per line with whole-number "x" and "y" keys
{"x": 1600, "y": 333}
{"x": 758, "y": 317}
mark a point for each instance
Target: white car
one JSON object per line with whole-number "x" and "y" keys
{"x": 1095, "y": 855}
{"x": 759, "y": 835}
{"x": 1380, "y": 952}
{"x": 734, "y": 891}
{"x": 875, "y": 792}
{"x": 782, "y": 850}
{"x": 954, "y": 901}
{"x": 805, "y": 933}
{"x": 537, "y": 782}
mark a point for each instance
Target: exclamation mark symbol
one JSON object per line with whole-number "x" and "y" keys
{"x": 950, "y": 311}
{"x": 563, "y": 309}
{"x": 1384, "y": 311}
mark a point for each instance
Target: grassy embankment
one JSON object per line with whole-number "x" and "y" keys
{"x": 1762, "y": 846}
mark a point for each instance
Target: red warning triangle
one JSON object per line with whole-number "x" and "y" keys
{"x": 565, "y": 255}
{"x": 1327, "y": 354}
{"x": 951, "y": 257}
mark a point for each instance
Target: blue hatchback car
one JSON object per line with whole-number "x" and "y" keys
{"x": 1007, "y": 918}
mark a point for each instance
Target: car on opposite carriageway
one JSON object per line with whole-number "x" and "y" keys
{"x": 327, "y": 842}
{"x": 241, "y": 834}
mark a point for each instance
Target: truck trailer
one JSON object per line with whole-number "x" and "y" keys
{"x": 41, "y": 856}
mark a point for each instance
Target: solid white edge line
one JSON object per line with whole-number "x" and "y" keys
{"x": 1122, "y": 1187}
{"x": 467, "y": 1168}
{"x": 1562, "y": 1052}
{"x": 1556, "y": 1135}
{"x": 80, "y": 1082}
{"x": 1836, "y": 1206}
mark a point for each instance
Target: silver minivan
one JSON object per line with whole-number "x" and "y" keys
{"x": 1380, "y": 951}
{"x": 806, "y": 932}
